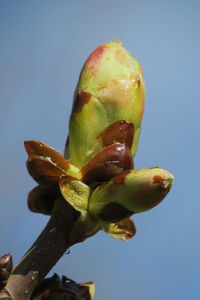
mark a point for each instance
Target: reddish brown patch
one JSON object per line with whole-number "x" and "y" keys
{"x": 138, "y": 80}
{"x": 114, "y": 212}
{"x": 81, "y": 99}
{"x": 120, "y": 131}
{"x": 159, "y": 180}
{"x": 128, "y": 226}
{"x": 44, "y": 171}
{"x": 120, "y": 179}
{"x": 40, "y": 150}
{"x": 108, "y": 163}
{"x": 95, "y": 56}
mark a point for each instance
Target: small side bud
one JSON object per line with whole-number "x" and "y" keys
{"x": 6, "y": 265}
{"x": 41, "y": 199}
{"x": 65, "y": 288}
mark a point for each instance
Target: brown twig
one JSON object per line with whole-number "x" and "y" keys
{"x": 44, "y": 253}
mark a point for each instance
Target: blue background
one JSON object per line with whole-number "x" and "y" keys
{"x": 43, "y": 45}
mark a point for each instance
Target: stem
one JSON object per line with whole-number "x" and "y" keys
{"x": 44, "y": 253}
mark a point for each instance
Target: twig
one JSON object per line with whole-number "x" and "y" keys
{"x": 44, "y": 253}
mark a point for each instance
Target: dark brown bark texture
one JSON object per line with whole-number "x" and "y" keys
{"x": 51, "y": 244}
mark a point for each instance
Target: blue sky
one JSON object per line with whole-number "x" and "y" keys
{"x": 43, "y": 45}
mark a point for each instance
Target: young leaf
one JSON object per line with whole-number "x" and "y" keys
{"x": 122, "y": 230}
{"x": 75, "y": 192}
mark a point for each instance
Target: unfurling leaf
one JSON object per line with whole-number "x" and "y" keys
{"x": 75, "y": 192}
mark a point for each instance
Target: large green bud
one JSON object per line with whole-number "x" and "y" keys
{"x": 110, "y": 88}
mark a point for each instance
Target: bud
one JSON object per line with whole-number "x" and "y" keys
{"x": 65, "y": 288}
{"x": 131, "y": 192}
{"x": 41, "y": 199}
{"x": 6, "y": 265}
{"x": 110, "y": 89}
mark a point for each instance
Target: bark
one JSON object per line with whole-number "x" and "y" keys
{"x": 51, "y": 244}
